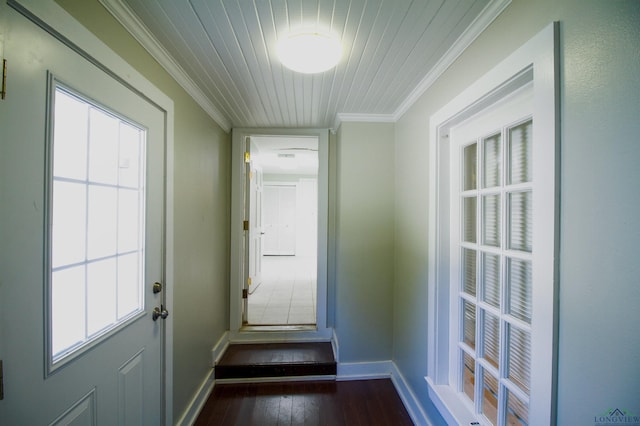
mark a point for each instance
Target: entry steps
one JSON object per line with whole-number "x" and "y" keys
{"x": 276, "y": 360}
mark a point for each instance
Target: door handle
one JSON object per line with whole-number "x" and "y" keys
{"x": 160, "y": 312}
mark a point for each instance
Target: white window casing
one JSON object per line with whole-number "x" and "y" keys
{"x": 526, "y": 83}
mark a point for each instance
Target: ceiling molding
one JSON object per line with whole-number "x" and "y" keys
{"x": 486, "y": 17}
{"x": 139, "y": 31}
{"x": 363, "y": 118}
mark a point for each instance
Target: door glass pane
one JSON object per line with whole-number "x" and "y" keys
{"x": 517, "y": 411}
{"x": 129, "y": 296}
{"x": 101, "y": 295}
{"x": 103, "y": 222}
{"x": 470, "y": 167}
{"x": 491, "y": 335}
{"x": 491, "y": 220}
{"x": 469, "y": 271}
{"x": 519, "y": 288}
{"x": 520, "y": 153}
{"x": 492, "y": 161}
{"x": 103, "y": 147}
{"x": 97, "y": 222}
{"x": 469, "y": 376}
{"x": 469, "y": 323}
{"x": 489, "y": 396}
{"x": 519, "y": 359}
{"x": 68, "y": 227}
{"x": 129, "y": 156}
{"x": 70, "y": 135}
{"x": 491, "y": 279}
{"x": 129, "y": 224}
{"x": 520, "y": 220}
{"x": 469, "y": 220}
{"x": 67, "y": 308}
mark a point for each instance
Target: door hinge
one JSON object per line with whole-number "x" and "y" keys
{"x": 249, "y": 281}
{"x": 247, "y": 157}
{"x": 245, "y": 225}
{"x": 3, "y": 91}
{"x": 245, "y": 293}
{"x": 1, "y": 382}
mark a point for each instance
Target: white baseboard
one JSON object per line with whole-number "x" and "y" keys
{"x": 197, "y": 403}
{"x": 364, "y": 370}
{"x": 219, "y": 348}
{"x": 386, "y": 370}
{"x": 417, "y": 414}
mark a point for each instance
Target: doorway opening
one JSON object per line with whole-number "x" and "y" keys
{"x": 282, "y": 184}
{"x": 279, "y": 237}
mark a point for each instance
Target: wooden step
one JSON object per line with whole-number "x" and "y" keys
{"x": 246, "y": 361}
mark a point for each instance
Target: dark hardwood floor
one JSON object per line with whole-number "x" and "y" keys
{"x": 362, "y": 402}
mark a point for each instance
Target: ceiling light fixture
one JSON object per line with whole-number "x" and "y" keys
{"x": 310, "y": 52}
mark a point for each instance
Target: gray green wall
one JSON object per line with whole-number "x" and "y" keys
{"x": 201, "y": 211}
{"x": 379, "y": 203}
{"x": 364, "y": 242}
{"x": 599, "y": 348}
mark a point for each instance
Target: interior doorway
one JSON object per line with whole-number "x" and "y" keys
{"x": 281, "y": 254}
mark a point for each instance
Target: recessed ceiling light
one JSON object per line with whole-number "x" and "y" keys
{"x": 309, "y": 52}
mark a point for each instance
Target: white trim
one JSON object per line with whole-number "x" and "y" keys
{"x": 477, "y": 27}
{"x": 65, "y": 25}
{"x": 409, "y": 399}
{"x": 451, "y": 408}
{"x": 198, "y": 401}
{"x": 128, "y": 19}
{"x": 219, "y": 349}
{"x": 236, "y": 332}
{"x": 386, "y": 370}
{"x": 362, "y": 118}
{"x": 541, "y": 54}
{"x": 139, "y": 31}
{"x": 364, "y": 370}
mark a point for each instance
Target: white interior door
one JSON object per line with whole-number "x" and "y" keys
{"x": 255, "y": 223}
{"x": 76, "y": 270}
{"x": 280, "y": 220}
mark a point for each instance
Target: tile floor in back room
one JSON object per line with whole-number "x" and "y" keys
{"x": 286, "y": 294}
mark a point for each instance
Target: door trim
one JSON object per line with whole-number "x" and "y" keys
{"x": 55, "y": 20}
{"x": 322, "y": 332}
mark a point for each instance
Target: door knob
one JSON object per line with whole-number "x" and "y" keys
{"x": 160, "y": 312}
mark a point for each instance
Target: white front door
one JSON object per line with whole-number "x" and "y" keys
{"x": 81, "y": 240}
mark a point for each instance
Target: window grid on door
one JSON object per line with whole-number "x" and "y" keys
{"x": 97, "y": 219}
{"x": 494, "y": 295}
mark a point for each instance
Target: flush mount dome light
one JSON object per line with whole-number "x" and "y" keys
{"x": 309, "y": 52}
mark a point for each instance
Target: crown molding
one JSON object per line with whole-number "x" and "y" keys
{"x": 139, "y": 31}
{"x": 362, "y": 118}
{"x": 491, "y": 11}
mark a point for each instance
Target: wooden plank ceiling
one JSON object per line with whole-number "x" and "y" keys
{"x": 226, "y": 49}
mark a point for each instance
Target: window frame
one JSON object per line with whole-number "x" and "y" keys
{"x": 536, "y": 63}
{"x": 54, "y": 362}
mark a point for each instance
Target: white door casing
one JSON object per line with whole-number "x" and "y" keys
{"x": 91, "y": 387}
{"x": 238, "y": 269}
{"x": 256, "y": 229}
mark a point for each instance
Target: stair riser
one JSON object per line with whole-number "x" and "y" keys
{"x": 249, "y": 371}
